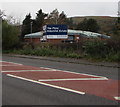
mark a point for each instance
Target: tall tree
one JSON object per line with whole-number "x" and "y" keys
{"x": 117, "y": 29}
{"x": 9, "y": 35}
{"x": 92, "y": 25}
{"x": 82, "y": 25}
{"x": 56, "y": 18}
{"x": 39, "y": 21}
{"x": 62, "y": 18}
{"x": 53, "y": 17}
{"x": 88, "y": 25}
{"x": 2, "y": 14}
{"x": 71, "y": 24}
{"x": 118, "y": 26}
{"x": 26, "y": 26}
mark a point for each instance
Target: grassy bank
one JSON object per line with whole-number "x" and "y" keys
{"x": 45, "y": 52}
{"x": 93, "y": 50}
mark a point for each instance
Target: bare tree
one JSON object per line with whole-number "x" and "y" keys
{"x": 56, "y": 18}
{"x": 2, "y": 14}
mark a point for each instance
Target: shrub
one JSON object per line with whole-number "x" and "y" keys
{"x": 96, "y": 48}
{"x": 73, "y": 55}
{"x": 9, "y": 36}
{"x": 113, "y": 57}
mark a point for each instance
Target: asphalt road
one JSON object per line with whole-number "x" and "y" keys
{"x": 20, "y": 92}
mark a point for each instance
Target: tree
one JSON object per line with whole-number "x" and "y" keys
{"x": 39, "y": 21}
{"x": 118, "y": 26}
{"x": 2, "y": 14}
{"x": 116, "y": 35}
{"x": 9, "y": 35}
{"x": 92, "y": 25}
{"x": 26, "y": 26}
{"x": 71, "y": 24}
{"x": 82, "y": 25}
{"x": 88, "y": 25}
{"x": 55, "y": 18}
{"x": 12, "y": 20}
{"x": 62, "y": 18}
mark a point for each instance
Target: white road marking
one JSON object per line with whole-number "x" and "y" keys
{"x": 46, "y": 84}
{"x": 117, "y": 98}
{"x": 73, "y": 79}
{"x": 45, "y": 68}
{"x": 82, "y": 74}
{"x": 10, "y": 65}
{"x": 12, "y": 62}
{"x": 62, "y": 70}
{"x": 26, "y": 70}
{"x": 51, "y": 69}
{"x": 75, "y": 72}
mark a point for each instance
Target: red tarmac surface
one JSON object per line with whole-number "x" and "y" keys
{"x": 106, "y": 88}
{"x": 9, "y": 68}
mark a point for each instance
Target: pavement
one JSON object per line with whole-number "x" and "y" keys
{"x": 69, "y": 60}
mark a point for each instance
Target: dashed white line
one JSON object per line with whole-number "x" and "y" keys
{"x": 46, "y": 84}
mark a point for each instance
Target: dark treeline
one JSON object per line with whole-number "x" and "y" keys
{"x": 88, "y": 25}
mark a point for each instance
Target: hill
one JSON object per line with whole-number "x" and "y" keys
{"x": 106, "y": 23}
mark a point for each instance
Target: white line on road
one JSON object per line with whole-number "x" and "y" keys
{"x": 12, "y": 62}
{"x": 83, "y": 74}
{"x": 46, "y": 84}
{"x": 60, "y": 70}
{"x": 117, "y": 98}
{"x": 27, "y": 70}
{"x": 76, "y": 72}
{"x": 73, "y": 79}
{"x": 10, "y": 65}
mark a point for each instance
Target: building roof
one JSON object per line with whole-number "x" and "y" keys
{"x": 34, "y": 35}
{"x": 86, "y": 34}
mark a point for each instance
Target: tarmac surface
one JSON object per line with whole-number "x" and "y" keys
{"x": 29, "y": 80}
{"x": 71, "y": 60}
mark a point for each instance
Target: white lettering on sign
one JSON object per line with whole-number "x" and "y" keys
{"x": 56, "y": 30}
{"x": 62, "y": 30}
{"x": 52, "y": 30}
{"x": 57, "y": 36}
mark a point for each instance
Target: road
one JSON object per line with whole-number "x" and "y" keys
{"x": 21, "y": 92}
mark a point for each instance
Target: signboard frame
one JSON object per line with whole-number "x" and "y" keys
{"x": 58, "y": 31}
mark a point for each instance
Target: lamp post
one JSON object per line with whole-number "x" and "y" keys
{"x": 31, "y": 29}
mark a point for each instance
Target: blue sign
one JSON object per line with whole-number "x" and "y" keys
{"x": 56, "y": 31}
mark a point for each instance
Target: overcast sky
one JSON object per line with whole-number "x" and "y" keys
{"x": 77, "y": 8}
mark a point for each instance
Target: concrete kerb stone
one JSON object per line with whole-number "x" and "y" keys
{"x": 68, "y": 60}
